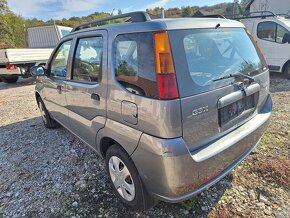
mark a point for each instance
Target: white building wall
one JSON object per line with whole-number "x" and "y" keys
{"x": 275, "y": 6}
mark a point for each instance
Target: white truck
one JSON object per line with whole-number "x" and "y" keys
{"x": 40, "y": 42}
{"x": 272, "y": 34}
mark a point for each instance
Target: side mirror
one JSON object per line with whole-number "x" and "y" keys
{"x": 286, "y": 38}
{"x": 37, "y": 71}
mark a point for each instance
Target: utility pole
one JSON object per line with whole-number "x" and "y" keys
{"x": 162, "y": 14}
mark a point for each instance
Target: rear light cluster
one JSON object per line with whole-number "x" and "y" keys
{"x": 11, "y": 67}
{"x": 166, "y": 77}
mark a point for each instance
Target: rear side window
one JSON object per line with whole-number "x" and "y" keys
{"x": 88, "y": 60}
{"x": 134, "y": 64}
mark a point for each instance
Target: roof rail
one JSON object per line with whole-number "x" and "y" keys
{"x": 212, "y": 16}
{"x": 261, "y": 14}
{"x": 284, "y": 15}
{"x": 134, "y": 17}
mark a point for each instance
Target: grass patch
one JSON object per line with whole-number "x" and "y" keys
{"x": 269, "y": 140}
{"x": 190, "y": 204}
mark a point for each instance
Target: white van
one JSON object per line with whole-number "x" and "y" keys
{"x": 272, "y": 33}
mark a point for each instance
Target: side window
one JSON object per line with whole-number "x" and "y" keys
{"x": 88, "y": 60}
{"x": 267, "y": 31}
{"x": 134, "y": 63}
{"x": 280, "y": 33}
{"x": 58, "y": 66}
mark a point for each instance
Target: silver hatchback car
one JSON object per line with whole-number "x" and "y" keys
{"x": 172, "y": 105}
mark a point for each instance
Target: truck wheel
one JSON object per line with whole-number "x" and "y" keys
{"x": 47, "y": 120}
{"x": 9, "y": 79}
{"x": 287, "y": 71}
{"x": 125, "y": 179}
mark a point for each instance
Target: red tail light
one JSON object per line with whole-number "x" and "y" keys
{"x": 166, "y": 78}
{"x": 11, "y": 67}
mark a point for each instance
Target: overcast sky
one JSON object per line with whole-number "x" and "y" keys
{"x": 58, "y": 9}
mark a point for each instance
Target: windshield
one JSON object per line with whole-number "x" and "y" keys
{"x": 213, "y": 53}
{"x": 286, "y": 22}
{"x": 64, "y": 32}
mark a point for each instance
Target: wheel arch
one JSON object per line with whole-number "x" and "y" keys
{"x": 105, "y": 144}
{"x": 284, "y": 66}
{"x": 117, "y": 133}
{"x": 37, "y": 97}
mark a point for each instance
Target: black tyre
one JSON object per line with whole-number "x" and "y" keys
{"x": 9, "y": 79}
{"x": 125, "y": 180}
{"x": 287, "y": 71}
{"x": 46, "y": 118}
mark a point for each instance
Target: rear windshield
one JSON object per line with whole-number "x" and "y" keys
{"x": 204, "y": 55}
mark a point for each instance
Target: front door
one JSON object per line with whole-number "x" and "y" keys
{"x": 55, "y": 88}
{"x": 87, "y": 87}
{"x": 269, "y": 38}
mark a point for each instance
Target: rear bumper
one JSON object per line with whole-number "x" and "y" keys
{"x": 171, "y": 173}
{"x": 4, "y": 71}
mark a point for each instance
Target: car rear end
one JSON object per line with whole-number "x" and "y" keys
{"x": 221, "y": 81}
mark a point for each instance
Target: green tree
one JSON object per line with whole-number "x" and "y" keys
{"x": 186, "y": 11}
{"x": 11, "y": 31}
{"x": 3, "y": 7}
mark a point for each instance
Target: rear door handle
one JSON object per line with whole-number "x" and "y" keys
{"x": 58, "y": 89}
{"x": 95, "y": 97}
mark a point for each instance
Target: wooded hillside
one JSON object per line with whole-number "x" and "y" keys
{"x": 12, "y": 25}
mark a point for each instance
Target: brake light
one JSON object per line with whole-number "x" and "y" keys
{"x": 11, "y": 67}
{"x": 166, "y": 78}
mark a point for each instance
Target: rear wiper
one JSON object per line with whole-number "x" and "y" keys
{"x": 236, "y": 75}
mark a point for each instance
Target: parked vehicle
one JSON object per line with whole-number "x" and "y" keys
{"x": 272, "y": 33}
{"x": 41, "y": 41}
{"x": 173, "y": 105}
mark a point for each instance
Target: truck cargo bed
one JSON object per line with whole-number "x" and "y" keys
{"x": 18, "y": 56}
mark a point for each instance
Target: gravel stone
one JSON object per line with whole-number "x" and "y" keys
{"x": 75, "y": 204}
{"x": 50, "y": 173}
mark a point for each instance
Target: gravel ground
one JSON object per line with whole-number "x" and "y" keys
{"x": 50, "y": 173}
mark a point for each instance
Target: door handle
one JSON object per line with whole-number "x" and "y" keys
{"x": 95, "y": 97}
{"x": 58, "y": 89}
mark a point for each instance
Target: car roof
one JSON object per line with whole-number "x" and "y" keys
{"x": 165, "y": 24}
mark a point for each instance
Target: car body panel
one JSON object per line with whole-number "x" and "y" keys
{"x": 209, "y": 128}
{"x": 178, "y": 174}
{"x": 175, "y": 154}
{"x": 87, "y": 113}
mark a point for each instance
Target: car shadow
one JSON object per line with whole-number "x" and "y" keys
{"x": 20, "y": 83}
{"x": 279, "y": 83}
{"x": 54, "y": 165}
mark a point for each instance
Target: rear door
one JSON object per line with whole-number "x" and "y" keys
{"x": 212, "y": 105}
{"x": 87, "y": 87}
